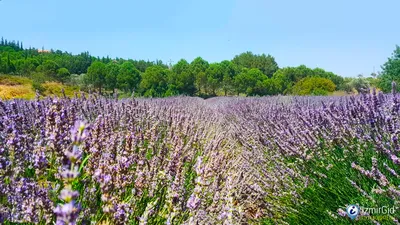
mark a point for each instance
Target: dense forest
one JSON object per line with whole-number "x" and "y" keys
{"x": 246, "y": 74}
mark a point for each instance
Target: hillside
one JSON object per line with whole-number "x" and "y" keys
{"x": 25, "y": 88}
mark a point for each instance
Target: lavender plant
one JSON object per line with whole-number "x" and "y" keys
{"x": 279, "y": 160}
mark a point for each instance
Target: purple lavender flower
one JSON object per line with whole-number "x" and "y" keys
{"x": 68, "y": 212}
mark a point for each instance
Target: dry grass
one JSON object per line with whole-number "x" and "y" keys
{"x": 14, "y": 80}
{"x": 54, "y": 88}
{"x": 16, "y": 91}
{"x": 21, "y": 87}
{"x": 15, "y": 87}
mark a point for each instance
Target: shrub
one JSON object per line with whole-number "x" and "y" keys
{"x": 37, "y": 86}
{"x": 348, "y": 88}
{"x": 360, "y": 84}
{"x": 313, "y": 86}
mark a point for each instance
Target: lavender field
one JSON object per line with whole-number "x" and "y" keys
{"x": 185, "y": 160}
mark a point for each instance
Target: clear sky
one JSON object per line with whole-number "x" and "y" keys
{"x": 347, "y": 37}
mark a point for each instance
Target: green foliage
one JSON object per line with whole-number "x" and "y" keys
{"x": 390, "y": 72}
{"x": 96, "y": 74}
{"x": 337, "y": 80}
{"x": 154, "y": 81}
{"x": 373, "y": 82}
{"x": 79, "y": 80}
{"x": 287, "y": 77}
{"x": 265, "y": 63}
{"x": 227, "y": 84}
{"x": 181, "y": 80}
{"x": 128, "y": 78}
{"x": 49, "y": 68}
{"x": 313, "y": 86}
{"x": 27, "y": 66}
{"x": 199, "y": 77}
{"x": 38, "y": 87}
{"x": 250, "y": 82}
{"x": 198, "y": 68}
{"x": 230, "y": 70}
{"x": 215, "y": 75}
{"x": 331, "y": 188}
{"x": 272, "y": 87}
{"x": 142, "y": 65}
{"x": 347, "y": 85}
{"x": 360, "y": 84}
{"x": 37, "y": 80}
{"x": 62, "y": 74}
{"x": 112, "y": 72}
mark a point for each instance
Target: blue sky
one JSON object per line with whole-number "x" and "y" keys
{"x": 346, "y": 37}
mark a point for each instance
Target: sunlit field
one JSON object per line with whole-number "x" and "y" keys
{"x": 185, "y": 160}
{"x": 244, "y": 112}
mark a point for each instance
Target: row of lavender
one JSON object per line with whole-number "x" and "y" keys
{"x": 92, "y": 159}
{"x": 284, "y": 136}
{"x": 188, "y": 160}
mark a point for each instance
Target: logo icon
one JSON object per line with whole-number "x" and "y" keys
{"x": 352, "y": 211}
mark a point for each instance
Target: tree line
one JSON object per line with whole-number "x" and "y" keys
{"x": 246, "y": 74}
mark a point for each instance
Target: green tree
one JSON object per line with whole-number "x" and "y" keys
{"x": 96, "y": 75}
{"x": 287, "y": 77}
{"x": 198, "y": 69}
{"x": 313, "y": 86}
{"x": 141, "y": 65}
{"x": 230, "y": 70}
{"x": 181, "y": 80}
{"x": 390, "y": 71}
{"x": 271, "y": 87}
{"x": 37, "y": 80}
{"x": 181, "y": 66}
{"x": 337, "y": 80}
{"x": 50, "y": 68}
{"x": 227, "y": 84}
{"x": 215, "y": 75}
{"x": 172, "y": 90}
{"x": 27, "y": 66}
{"x": 62, "y": 74}
{"x": 154, "y": 81}
{"x": 250, "y": 82}
{"x": 112, "y": 71}
{"x": 10, "y": 67}
{"x": 128, "y": 78}
{"x": 265, "y": 63}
